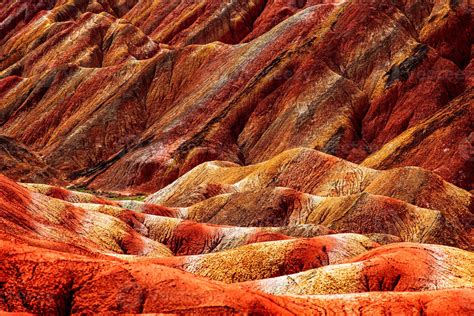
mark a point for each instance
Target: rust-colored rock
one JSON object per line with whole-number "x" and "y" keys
{"x": 80, "y": 285}
{"x": 277, "y": 157}
{"x": 21, "y": 164}
{"x": 234, "y": 102}
{"x": 388, "y": 268}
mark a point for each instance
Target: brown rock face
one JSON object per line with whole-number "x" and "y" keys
{"x": 237, "y": 157}
{"x": 93, "y": 89}
{"x": 21, "y": 164}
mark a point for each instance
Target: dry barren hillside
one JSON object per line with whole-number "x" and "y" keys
{"x": 237, "y": 157}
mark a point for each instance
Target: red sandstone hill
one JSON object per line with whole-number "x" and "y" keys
{"x": 125, "y": 257}
{"x": 237, "y": 157}
{"x": 118, "y": 96}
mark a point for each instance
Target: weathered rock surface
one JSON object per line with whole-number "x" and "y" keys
{"x": 342, "y": 77}
{"x": 387, "y": 268}
{"x": 75, "y": 284}
{"x": 237, "y": 157}
{"x": 21, "y": 164}
{"x": 41, "y": 219}
{"x": 411, "y": 203}
{"x": 94, "y": 258}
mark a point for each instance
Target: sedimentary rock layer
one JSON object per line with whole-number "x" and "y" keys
{"x": 294, "y": 157}
{"x": 115, "y": 95}
{"x": 84, "y": 257}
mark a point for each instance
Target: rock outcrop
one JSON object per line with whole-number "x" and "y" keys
{"x": 127, "y": 96}
{"x": 60, "y": 257}
{"x": 283, "y": 157}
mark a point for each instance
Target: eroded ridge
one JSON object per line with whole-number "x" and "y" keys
{"x": 236, "y": 157}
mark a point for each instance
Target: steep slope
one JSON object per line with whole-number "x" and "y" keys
{"x": 161, "y": 110}
{"x": 21, "y": 164}
{"x": 269, "y": 157}
{"x": 444, "y": 136}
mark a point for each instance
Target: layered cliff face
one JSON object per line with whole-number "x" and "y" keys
{"x": 290, "y": 157}
{"x": 119, "y": 97}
